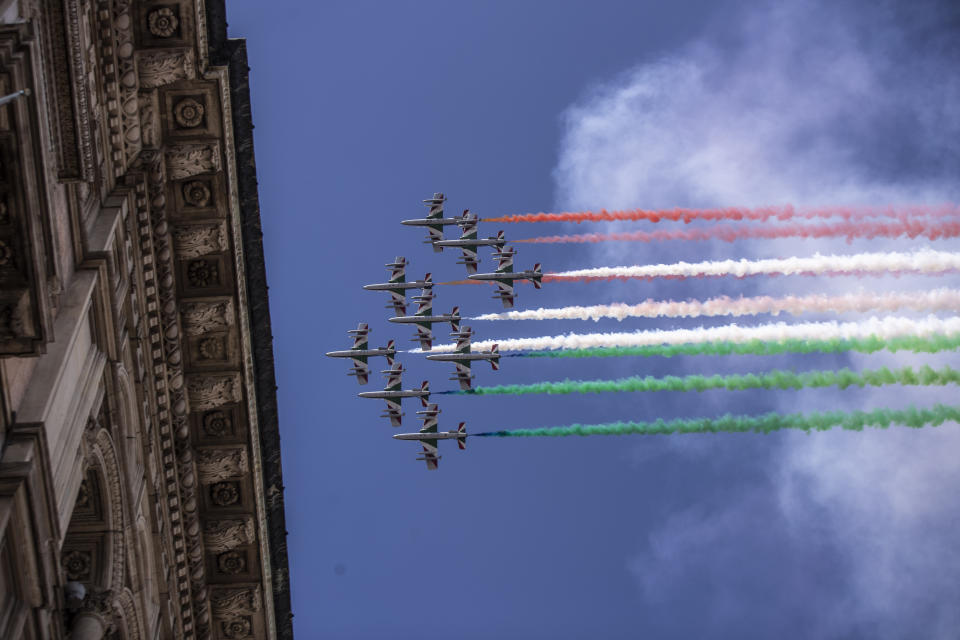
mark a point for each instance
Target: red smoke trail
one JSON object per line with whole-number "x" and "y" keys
{"x": 729, "y": 233}
{"x": 786, "y": 212}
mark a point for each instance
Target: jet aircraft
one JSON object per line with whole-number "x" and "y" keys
{"x": 428, "y": 436}
{"x": 434, "y": 222}
{"x": 504, "y": 276}
{"x": 359, "y": 353}
{"x": 397, "y": 287}
{"x": 393, "y": 394}
{"x": 469, "y": 242}
{"x": 463, "y": 357}
{"x": 425, "y": 321}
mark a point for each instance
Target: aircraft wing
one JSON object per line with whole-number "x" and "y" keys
{"x": 399, "y": 301}
{"x": 432, "y": 460}
{"x": 425, "y": 335}
{"x": 470, "y": 259}
{"x": 435, "y": 233}
{"x": 361, "y": 371}
{"x": 393, "y": 411}
{"x": 505, "y": 293}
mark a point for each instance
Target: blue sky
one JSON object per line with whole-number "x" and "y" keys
{"x": 363, "y": 109}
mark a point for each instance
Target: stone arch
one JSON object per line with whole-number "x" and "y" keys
{"x": 105, "y": 454}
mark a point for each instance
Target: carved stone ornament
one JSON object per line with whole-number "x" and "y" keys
{"x": 203, "y": 317}
{"x": 226, "y": 535}
{"x": 83, "y": 497}
{"x": 187, "y": 160}
{"x": 214, "y": 465}
{"x": 193, "y": 241}
{"x": 4, "y": 213}
{"x": 212, "y": 349}
{"x": 232, "y": 562}
{"x": 210, "y": 392}
{"x": 224, "y": 494}
{"x": 158, "y": 68}
{"x": 196, "y": 194}
{"x": 217, "y": 424}
{"x": 237, "y": 628}
{"x": 203, "y": 273}
{"x": 188, "y": 113}
{"x": 77, "y": 565}
{"x": 163, "y": 22}
{"x": 235, "y": 602}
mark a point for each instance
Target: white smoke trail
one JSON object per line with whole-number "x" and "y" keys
{"x": 923, "y": 261}
{"x": 889, "y": 327}
{"x": 935, "y": 300}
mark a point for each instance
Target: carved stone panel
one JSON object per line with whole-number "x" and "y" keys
{"x": 199, "y": 239}
{"x": 225, "y": 603}
{"x": 211, "y": 391}
{"x": 165, "y": 24}
{"x": 191, "y": 111}
{"x": 200, "y": 196}
{"x": 159, "y": 68}
{"x": 187, "y": 160}
{"x": 207, "y": 275}
{"x": 204, "y": 316}
{"x": 220, "y": 536}
{"x": 218, "y": 426}
{"x": 214, "y": 465}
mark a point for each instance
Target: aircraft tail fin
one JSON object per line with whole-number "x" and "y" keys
{"x": 462, "y": 440}
{"x": 495, "y": 360}
{"x": 537, "y": 276}
{"x": 455, "y": 320}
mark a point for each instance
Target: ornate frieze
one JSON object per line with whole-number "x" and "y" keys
{"x": 195, "y": 240}
{"x": 186, "y": 160}
{"x": 212, "y": 391}
{"x": 202, "y": 317}
{"x": 220, "y": 536}
{"x": 214, "y": 465}
{"x": 159, "y": 68}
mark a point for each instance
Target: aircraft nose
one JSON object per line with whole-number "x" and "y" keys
{"x": 395, "y": 436}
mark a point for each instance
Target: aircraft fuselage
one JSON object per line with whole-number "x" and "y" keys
{"x": 437, "y": 435}
{"x": 355, "y": 353}
{"x": 486, "y": 242}
{"x": 425, "y": 319}
{"x": 519, "y": 275}
{"x": 403, "y": 393}
{"x": 397, "y": 286}
{"x": 431, "y": 222}
{"x": 461, "y": 357}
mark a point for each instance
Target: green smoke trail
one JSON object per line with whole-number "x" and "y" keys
{"x": 776, "y": 379}
{"x": 853, "y": 421}
{"x": 929, "y": 344}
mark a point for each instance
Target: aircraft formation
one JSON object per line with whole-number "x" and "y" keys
{"x": 424, "y": 318}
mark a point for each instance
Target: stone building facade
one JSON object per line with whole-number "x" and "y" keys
{"x": 140, "y": 484}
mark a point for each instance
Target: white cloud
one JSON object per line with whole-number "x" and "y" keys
{"x": 812, "y": 106}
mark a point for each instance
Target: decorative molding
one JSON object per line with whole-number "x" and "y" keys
{"x": 226, "y": 603}
{"x": 195, "y": 240}
{"x": 187, "y": 160}
{"x": 212, "y": 391}
{"x": 226, "y": 535}
{"x": 214, "y": 465}
{"x": 159, "y": 68}
{"x": 202, "y": 317}
{"x": 232, "y": 563}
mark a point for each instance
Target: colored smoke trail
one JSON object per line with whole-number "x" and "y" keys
{"x": 776, "y": 379}
{"x": 871, "y": 344}
{"x": 926, "y": 262}
{"x": 934, "y": 300}
{"x": 730, "y": 233}
{"x": 766, "y": 423}
{"x": 783, "y": 213}
{"x": 885, "y": 328}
